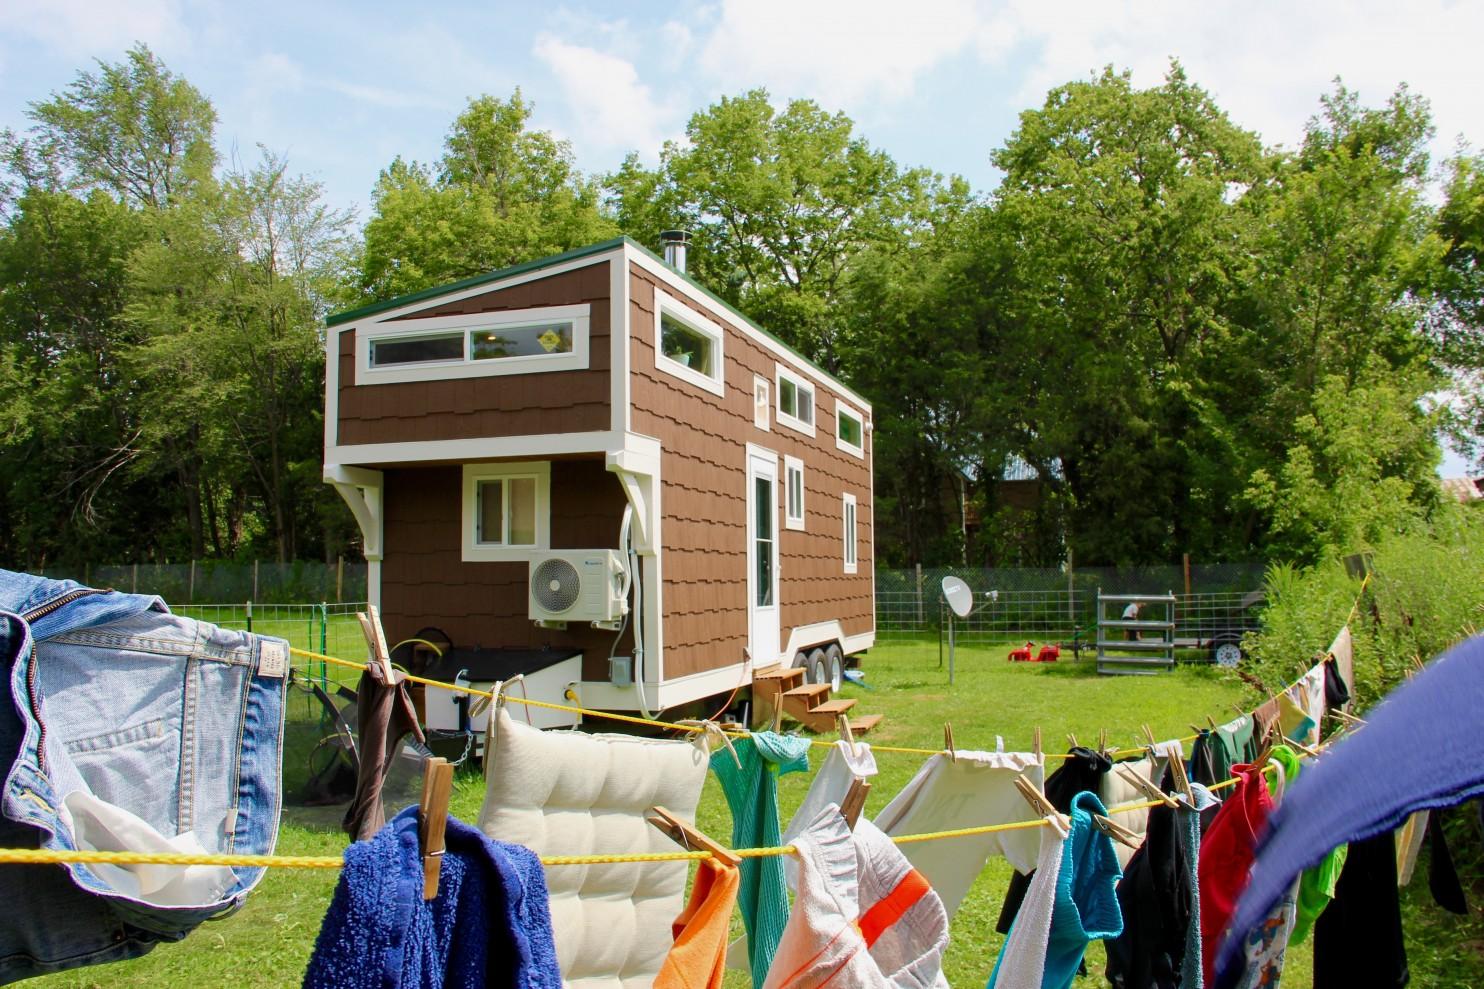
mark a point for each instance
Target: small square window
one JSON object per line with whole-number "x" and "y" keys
{"x": 795, "y": 401}
{"x": 850, "y": 430}
{"x": 793, "y": 492}
{"x": 507, "y": 510}
{"x": 762, "y": 403}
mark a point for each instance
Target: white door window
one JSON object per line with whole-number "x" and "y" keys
{"x": 762, "y": 557}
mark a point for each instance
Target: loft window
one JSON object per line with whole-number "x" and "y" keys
{"x": 392, "y": 351}
{"x": 793, "y": 492}
{"x": 507, "y": 510}
{"x": 536, "y": 340}
{"x": 795, "y": 401}
{"x": 850, "y": 430}
{"x": 850, "y": 534}
{"x": 527, "y": 341}
{"x": 688, "y": 345}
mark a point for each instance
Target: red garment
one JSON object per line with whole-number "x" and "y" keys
{"x": 1227, "y": 851}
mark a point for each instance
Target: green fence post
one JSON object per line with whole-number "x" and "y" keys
{"x": 324, "y": 645}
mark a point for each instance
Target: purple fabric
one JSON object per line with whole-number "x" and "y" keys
{"x": 489, "y": 926}
{"x": 1413, "y": 754}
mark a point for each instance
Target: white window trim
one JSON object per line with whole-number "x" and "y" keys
{"x": 476, "y": 552}
{"x": 855, "y": 451}
{"x": 714, "y": 383}
{"x": 850, "y": 539}
{"x": 762, "y": 412}
{"x": 791, "y": 464}
{"x": 782, "y": 374}
{"x": 580, "y": 317}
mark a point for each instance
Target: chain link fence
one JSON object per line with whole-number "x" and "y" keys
{"x": 1056, "y": 605}
{"x": 303, "y": 581}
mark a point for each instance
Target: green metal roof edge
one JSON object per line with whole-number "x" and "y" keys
{"x": 437, "y": 290}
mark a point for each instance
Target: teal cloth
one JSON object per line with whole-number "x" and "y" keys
{"x": 1191, "y": 976}
{"x": 1086, "y": 907}
{"x": 752, "y": 795}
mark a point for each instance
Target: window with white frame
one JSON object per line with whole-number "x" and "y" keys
{"x": 795, "y": 401}
{"x": 507, "y": 510}
{"x": 552, "y": 338}
{"x": 762, "y": 402}
{"x": 850, "y": 429}
{"x": 688, "y": 345}
{"x": 793, "y": 492}
{"x": 850, "y": 535}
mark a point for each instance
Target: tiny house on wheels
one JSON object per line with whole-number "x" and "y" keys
{"x": 589, "y": 470}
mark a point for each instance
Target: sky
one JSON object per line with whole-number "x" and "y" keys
{"x": 342, "y": 88}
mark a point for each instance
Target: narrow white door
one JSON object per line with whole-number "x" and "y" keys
{"x": 762, "y": 557}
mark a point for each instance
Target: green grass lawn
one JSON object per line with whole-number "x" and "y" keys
{"x": 268, "y": 942}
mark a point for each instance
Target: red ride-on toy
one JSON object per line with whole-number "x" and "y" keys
{"x": 1027, "y": 653}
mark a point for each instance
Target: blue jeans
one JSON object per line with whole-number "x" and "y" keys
{"x": 128, "y": 728}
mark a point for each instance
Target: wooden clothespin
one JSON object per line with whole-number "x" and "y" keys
{"x": 1038, "y": 801}
{"x": 1346, "y": 718}
{"x": 1145, "y": 786}
{"x": 1102, "y": 741}
{"x": 1149, "y": 742}
{"x": 1307, "y": 750}
{"x": 1182, "y": 780}
{"x": 370, "y": 621}
{"x": 948, "y": 742}
{"x": 687, "y": 837}
{"x": 1211, "y": 721}
{"x": 1071, "y": 740}
{"x": 777, "y": 714}
{"x": 1267, "y": 750}
{"x": 847, "y": 736}
{"x": 1036, "y": 746}
{"x": 1117, "y": 831}
{"x": 855, "y": 801}
{"x": 432, "y": 820}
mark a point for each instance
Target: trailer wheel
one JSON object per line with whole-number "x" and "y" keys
{"x": 801, "y": 662}
{"x": 834, "y": 664}
{"x": 818, "y": 668}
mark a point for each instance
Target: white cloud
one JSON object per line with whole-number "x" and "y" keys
{"x": 838, "y": 52}
{"x": 611, "y": 109}
{"x": 1266, "y": 64}
{"x": 95, "y": 27}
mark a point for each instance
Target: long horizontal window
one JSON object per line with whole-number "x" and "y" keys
{"x": 474, "y": 345}
{"x": 484, "y": 344}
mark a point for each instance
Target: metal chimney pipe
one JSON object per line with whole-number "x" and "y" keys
{"x": 675, "y": 243}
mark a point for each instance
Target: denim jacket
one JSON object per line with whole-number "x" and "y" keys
{"x": 128, "y": 728}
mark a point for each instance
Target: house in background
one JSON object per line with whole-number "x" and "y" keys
{"x": 590, "y": 459}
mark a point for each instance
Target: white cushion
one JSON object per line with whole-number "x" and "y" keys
{"x": 571, "y": 793}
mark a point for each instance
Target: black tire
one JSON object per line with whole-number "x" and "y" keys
{"x": 1226, "y": 651}
{"x": 834, "y": 667}
{"x": 818, "y": 669}
{"x": 801, "y": 662}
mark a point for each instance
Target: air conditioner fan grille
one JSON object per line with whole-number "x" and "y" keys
{"x": 555, "y": 584}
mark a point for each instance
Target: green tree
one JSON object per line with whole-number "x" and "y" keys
{"x": 502, "y": 194}
{"x": 780, "y": 204}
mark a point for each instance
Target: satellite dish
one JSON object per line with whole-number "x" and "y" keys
{"x": 960, "y": 598}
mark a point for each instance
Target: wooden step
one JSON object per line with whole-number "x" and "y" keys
{"x": 864, "y": 723}
{"x": 768, "y": 685}
{"x": 824, "y": 716}
{"x": 808, "y": 690}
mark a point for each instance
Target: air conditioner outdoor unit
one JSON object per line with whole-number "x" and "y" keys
{"x": 577, "y": 585}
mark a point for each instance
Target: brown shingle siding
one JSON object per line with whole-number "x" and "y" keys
{"x": 705, "y": 498}
{"x": 500, "y": 405}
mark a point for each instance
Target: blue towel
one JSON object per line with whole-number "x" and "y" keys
{"x": 490, "y": 924}
{"x": 1418, "y": 751}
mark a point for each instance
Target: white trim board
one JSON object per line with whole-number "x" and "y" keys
{"x": 478, "y": 448}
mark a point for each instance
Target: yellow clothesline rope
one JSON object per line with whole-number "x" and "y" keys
{"x": 46, "y": 856}
{"x": 648, "y": 722}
